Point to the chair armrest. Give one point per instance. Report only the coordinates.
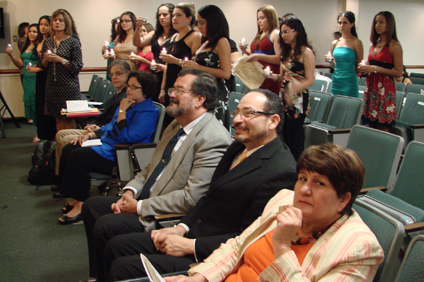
(417, 126)
(136, 146)
(169, 216)
(306, 122)
(414, 227)
(339, 131)
(365, 190)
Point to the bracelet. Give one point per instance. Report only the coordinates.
(181, 61)
(122, 111)
(13, 59)
(375, 71)
(163, 91)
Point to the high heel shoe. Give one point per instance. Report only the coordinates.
(70, 220)
(67, 208)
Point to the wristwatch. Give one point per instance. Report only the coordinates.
(122, 111)
(64, 61)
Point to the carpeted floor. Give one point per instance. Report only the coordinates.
(33, 246)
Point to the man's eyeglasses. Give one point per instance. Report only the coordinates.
(247, 113)
(133, 87)
(177, 91)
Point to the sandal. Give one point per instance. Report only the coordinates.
(67, 208)
(70, 220)
(35, 139)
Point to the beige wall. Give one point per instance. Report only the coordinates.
(93, 17)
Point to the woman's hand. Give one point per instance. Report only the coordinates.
(252, 58)
(162, 96)
(91, 127)
(9, 52)
(136, 58)
(31, 70)
(80, 139)
(139, 22)
(288, 224)
(367, 69)
(243, 48)
(126, 104)
(160, 67)
(190, 64)
(170, 59)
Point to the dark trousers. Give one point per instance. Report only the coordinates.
(122, 257)
(75, 166)
(293, 132)
(101, 225)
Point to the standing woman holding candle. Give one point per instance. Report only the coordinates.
(158, 39)
(384, 64)
(46, 123)
(348, 53)
(265, 47)
(62, 59)
(109, 45)
(214, 55)
(145, 57)
(27, 59)
(297, 74)
(124, 46)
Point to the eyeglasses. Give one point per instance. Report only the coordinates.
(118, 73)
(133, 87)
(178, 91)
(286, 31)
(126, 21)
(247, 113)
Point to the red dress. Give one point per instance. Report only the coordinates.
(149, 57)
(267, 47)
(380, 90)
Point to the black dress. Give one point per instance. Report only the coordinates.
(211, 60)
(62, 82)
(156, 49)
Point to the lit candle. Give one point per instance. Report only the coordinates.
(163, 52)
(111, 53)
(363, 63)
(329, 56)
(106, 43)
(153, 66)
(29, 64)
(10, 46)
(185, 59)
(132, 54)
(106, 53)
(48, 51)
(243, 41)
(267, 71)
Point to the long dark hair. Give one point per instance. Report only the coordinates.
(28, 42)
(301, 40)
(391, 28)
(351, 18)
(217, 25)
(159, 28)
(113, 32)
(122, 33)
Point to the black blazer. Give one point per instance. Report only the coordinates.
(237, 197)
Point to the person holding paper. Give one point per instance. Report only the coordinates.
(134, 122)
(311, 234)
(119, 71)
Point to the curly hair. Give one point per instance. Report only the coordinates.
(147, 81)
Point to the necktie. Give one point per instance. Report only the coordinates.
(166, 157)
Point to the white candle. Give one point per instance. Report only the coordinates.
(163, 52)
(329, 56)
(243, 41)
(112, 53)
(363, 63)
(185, 59)
(106, 53)
(10, 46)
(132, 54)
(106, 43)
(267, 71)
(48, 51)
(153, 65)
(29, 64)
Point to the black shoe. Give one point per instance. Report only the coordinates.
(55, 188)
(70, 220)
(67, 208)
(58, 195)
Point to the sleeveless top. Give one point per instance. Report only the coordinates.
(345, 80)
(148, 56)
(157, 48)
(180, 50)
(267, 47)
(123, 51)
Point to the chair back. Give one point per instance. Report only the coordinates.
(414, 88)
(329, 75)
(417, 80)
(362, 81)
(319, 85)
(399, 102)
(109, 93)
(320, 104)
(416, 74)
(413, 110)
(159, 124)
(233, 101)
(240, 87)
(400, 86)
(95, 79)
(409, 185)
(102, 89)
(389, 233)
(380, 153)
(345, 112)
(412, 267)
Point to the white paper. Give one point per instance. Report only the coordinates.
(91, 143)
(77, 106)
(94, 103)
(152, 273)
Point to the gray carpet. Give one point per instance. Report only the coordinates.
(33, 246)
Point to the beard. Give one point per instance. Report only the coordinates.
(174, 108)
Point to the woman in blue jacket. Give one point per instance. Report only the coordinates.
(134, 122)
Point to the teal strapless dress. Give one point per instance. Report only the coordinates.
(28, 83)
(345, 80)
